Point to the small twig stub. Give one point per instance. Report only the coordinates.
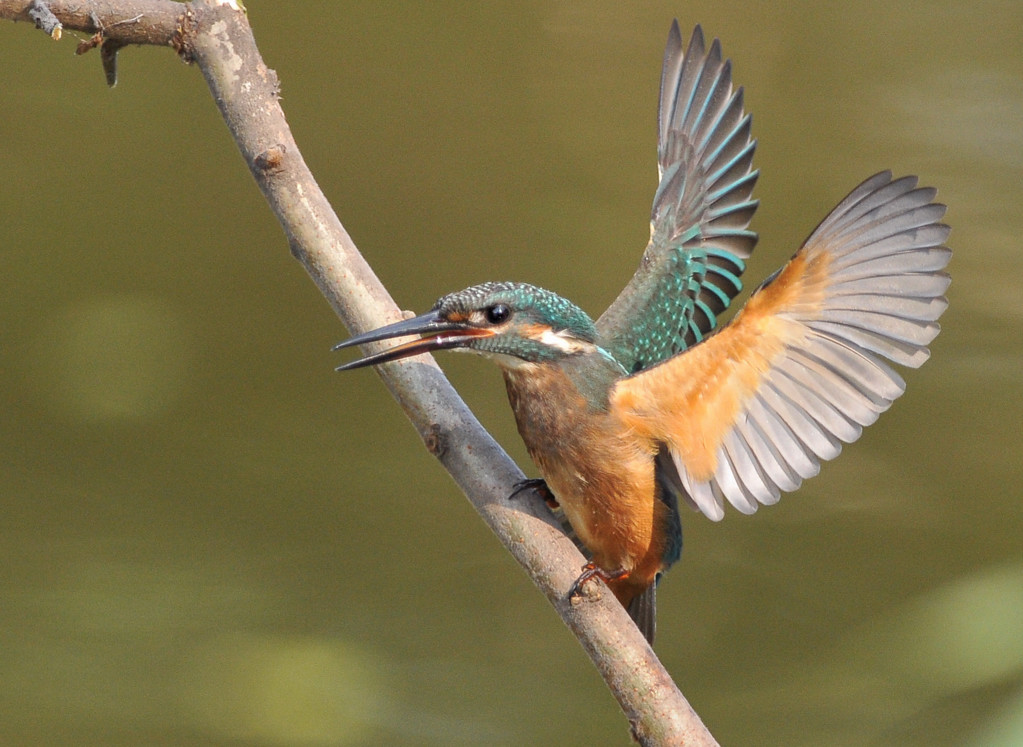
(44, 19)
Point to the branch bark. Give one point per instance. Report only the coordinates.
(215, 34)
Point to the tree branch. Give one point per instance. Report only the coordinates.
(215, 34)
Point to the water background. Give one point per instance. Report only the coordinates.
(209, 537)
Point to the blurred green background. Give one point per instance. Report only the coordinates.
(209, 537)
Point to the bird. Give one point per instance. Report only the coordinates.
(656, 404)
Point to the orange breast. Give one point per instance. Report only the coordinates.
(600, 474)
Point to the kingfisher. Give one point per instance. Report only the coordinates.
(655, 405)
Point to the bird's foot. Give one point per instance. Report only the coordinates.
(540, 486)
(591, 571)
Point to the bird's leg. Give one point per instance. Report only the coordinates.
(592, 570)
(540, 486)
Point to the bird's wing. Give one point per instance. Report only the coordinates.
(690, 270)
(753, 410)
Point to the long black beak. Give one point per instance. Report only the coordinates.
(430, 323)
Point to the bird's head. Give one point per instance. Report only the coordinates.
(513, 323)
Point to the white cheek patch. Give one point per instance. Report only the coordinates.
(562, 341)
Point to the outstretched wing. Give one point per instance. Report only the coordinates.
(698, 236)
(753, 410)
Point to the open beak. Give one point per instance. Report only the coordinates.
(443, 336)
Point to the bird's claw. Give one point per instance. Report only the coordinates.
(591, 571)
(540, 486)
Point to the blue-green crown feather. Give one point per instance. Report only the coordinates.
(537, 304)
(529, 307)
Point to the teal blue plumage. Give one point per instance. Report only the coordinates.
(699, 238)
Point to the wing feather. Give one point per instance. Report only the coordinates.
(791, 450)
(702, 207)
(813, 437)
(820, 410)
(860, 406)
(753, 410)
(730, 485)
(777, 471)
(756, 485)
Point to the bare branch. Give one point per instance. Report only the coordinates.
(217, 37)
(155, 21)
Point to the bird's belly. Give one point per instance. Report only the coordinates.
(611, 507)
(602, 477)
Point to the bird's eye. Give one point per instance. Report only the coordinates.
(498, 313)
